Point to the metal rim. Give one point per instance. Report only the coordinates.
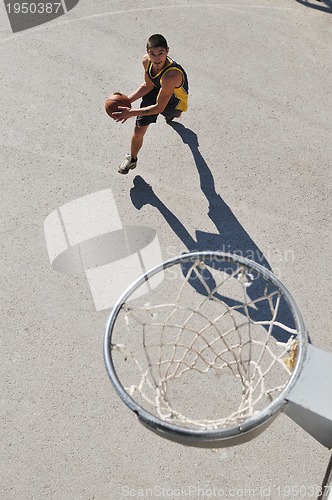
(207, 435)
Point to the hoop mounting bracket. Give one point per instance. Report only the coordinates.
(310, 400)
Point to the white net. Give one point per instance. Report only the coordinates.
(207, 353)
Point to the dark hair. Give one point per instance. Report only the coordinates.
(156, 41)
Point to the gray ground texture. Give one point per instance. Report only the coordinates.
(260, 109)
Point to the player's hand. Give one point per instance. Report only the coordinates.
(123, 115)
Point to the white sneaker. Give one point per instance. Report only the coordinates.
(127, 165)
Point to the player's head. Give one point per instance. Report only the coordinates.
(157, 50)
(156, 41)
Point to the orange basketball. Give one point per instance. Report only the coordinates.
(115, 100)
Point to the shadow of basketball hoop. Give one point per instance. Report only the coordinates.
(27, 15)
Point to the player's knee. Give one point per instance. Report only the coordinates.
(139, 131)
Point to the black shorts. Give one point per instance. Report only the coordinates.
(148, 100)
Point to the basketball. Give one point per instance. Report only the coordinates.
(115, 100)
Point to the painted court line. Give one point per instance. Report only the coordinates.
(63, 22)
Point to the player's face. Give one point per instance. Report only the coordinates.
(158, 56)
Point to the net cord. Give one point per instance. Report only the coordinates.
(256, 420)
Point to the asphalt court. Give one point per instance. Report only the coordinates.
(247, 169)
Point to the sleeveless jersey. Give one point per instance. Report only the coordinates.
(179, 99)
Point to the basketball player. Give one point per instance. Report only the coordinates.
(165, 91)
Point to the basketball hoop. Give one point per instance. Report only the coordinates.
(212, 355)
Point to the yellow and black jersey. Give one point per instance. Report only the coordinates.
(179, 100)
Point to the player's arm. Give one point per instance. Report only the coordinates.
(146, 86)
(171, 80)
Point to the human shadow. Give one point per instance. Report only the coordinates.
(327, 7)
(231, 237)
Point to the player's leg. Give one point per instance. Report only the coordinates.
(137, 140)
(171, 111)
(141, 126)
(130, 161)
(170, 114)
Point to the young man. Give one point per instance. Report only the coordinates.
(165, 91)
